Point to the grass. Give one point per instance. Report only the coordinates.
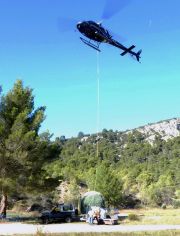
(156, 233)
(146, 216)
(153, 216)
(27, 217)
(140, 216)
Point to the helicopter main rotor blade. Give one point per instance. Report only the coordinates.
(66, 24)
(112, 7)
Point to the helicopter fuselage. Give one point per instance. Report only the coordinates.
(93, 31)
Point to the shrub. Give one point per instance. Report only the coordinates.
(176, 203)
(133, 217)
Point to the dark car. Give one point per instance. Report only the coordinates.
(61, 212)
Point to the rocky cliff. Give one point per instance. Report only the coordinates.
(166, 129)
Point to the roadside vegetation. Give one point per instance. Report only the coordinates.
(154, 216)
(128, 171)
(155, 233)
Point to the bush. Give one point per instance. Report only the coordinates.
(133, 217)
(176, 203)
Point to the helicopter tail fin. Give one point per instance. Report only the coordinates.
(138, 55)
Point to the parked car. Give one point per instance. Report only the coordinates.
(61, 212)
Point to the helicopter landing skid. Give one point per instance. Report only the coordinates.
(90, 44)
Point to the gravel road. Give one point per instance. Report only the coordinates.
(19, 228)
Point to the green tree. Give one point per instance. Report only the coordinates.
(80, 134)
(107, 183)
(21, 150)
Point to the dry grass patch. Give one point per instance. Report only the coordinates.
(153, 216)
(157, 233)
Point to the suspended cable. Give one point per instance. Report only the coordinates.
(98, 104)
(97, 112)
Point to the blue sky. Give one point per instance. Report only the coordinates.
(63, 71)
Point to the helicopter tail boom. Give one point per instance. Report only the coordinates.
(126, 50)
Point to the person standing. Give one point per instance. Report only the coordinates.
(91, 216)
(3, 206)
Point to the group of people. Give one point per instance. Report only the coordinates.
(96, 213)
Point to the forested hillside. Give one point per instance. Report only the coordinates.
(124, 166)
(128, 169)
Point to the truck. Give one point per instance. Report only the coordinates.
(60, 213)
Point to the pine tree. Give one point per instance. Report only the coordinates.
(19, 141)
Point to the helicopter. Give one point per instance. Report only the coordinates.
(95, 33)
(98, 34)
